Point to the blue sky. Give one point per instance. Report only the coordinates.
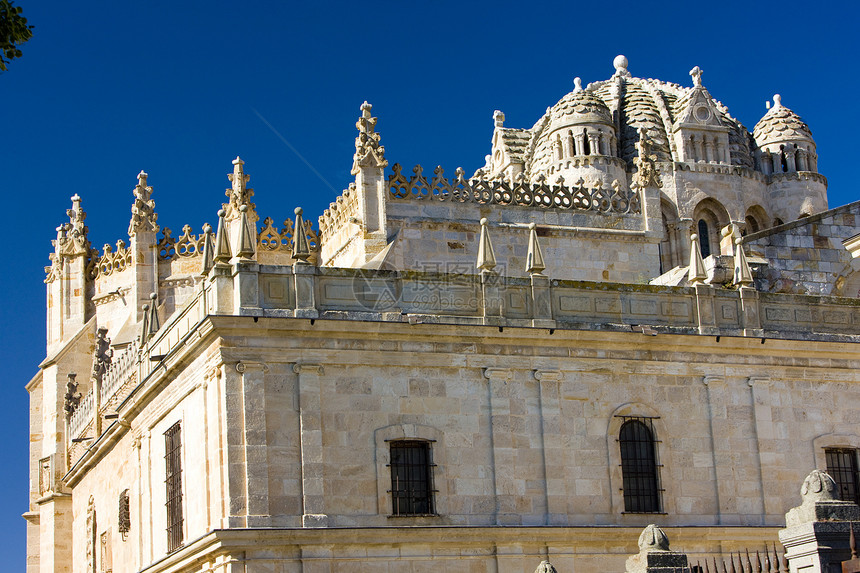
(178, 89)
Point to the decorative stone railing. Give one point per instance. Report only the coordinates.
(110, 262)
(187, 245)
(82, 415)
(121, 369)
(270, 239)
(522, 193)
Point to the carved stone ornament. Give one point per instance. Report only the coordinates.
(143, 215)
(102, 356)
(239, 194)
(646, 174)
(653, 538)
(545, 567)
(818, 486)
(368, 151)
(72, 398)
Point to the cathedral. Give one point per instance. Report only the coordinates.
(637, 311)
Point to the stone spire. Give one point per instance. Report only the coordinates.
(697, 273)
(368, 151)
(143, 215)
(301, 249)
(534, 257)
(239, 193)
(152, 321)
(486, 256)
(207, 259)
(246, 237)
(743, 273)
(222, 240)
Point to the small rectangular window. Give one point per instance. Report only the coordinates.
(411, 478)
(842, 467)
(173, 483)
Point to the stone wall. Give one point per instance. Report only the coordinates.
(808, 255)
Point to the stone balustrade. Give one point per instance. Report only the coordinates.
(82, 415)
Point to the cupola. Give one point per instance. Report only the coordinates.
(784, 141)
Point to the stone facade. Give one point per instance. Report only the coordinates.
(234, 400)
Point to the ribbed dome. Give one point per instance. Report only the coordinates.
(579, 107)
(780, 124)
(644, 106)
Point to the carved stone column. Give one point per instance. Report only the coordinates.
(246, 288)
(750, 315)
(579, 138)
(255, 429)
(504, 452)
(705, 309)
(304, 275)
(760, 392)
(733, 434)
(553, 445)
(491, 299)
(310, 415)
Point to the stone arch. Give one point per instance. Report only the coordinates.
(670, 245)
(714, 216)
(831, 441)
(756, 220)
(618, 417)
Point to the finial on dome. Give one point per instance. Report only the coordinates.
(498, 118)
(696, 72)
(777, 101)
(620, 62)
(577, 85)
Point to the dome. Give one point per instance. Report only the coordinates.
(780, 124)
(647, 106)
(579, 107)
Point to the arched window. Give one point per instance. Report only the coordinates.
(704, 238)
(639, 466)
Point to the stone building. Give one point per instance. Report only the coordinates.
(635, 312)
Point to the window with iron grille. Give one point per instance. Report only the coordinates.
(842, 467)
(173, 482)
(124, 515)
(639, 466)
(411, 478)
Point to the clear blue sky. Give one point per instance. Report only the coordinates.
(106, 89)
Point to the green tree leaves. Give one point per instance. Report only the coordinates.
(14, 31)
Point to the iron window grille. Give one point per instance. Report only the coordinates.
(124, 516)
(173, 483)
(842, 467)
(640, 474)
(412, 491)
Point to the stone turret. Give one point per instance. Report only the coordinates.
(142, 231)
(68, 277)
(787, 155)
